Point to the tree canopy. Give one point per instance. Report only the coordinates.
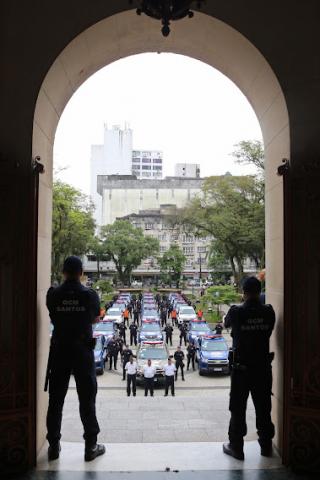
(127, 246)
(72, 224)
(231, 210)
(250, 152)
(171, 264)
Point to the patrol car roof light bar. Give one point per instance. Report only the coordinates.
(167, 11)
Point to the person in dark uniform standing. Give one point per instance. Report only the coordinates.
(135, 314)
(126, 354)
(163, 316)
(218, 329)
(179, 357)
(168, 329)
(113, 350)
(73, 309)
(183, 334)
(251, 327)
(133, 333)
(191, 354)
(122, 331)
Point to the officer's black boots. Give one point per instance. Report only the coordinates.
(233, 451)
(54, 451)
(93, 451)
(266, 450)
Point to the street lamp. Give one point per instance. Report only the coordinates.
(166, 11)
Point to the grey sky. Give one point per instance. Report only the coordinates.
(179, 105)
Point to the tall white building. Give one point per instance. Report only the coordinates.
(116, 157)
(190, 170)
(147, 164)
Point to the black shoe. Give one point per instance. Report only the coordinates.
(173, 395)
(94, 451)
(266, 451)
(232, 451)
(54, 451)
(134, 394)
(183, 380)
(165, 395)
(123, 379)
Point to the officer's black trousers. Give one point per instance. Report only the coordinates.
(148, 386)
(191, 359)
(131, 379)
(169, 382)
(78, 360)
(124, 370)
(113, 357)
(133, 338)
(183, 337)
(258, 382)
(181, 366)
(169, 339)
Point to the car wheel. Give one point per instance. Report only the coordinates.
(200, 373)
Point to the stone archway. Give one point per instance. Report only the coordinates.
(206, 39)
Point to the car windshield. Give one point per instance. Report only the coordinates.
(202, 327)
(114, 311)
(155, 353)
(104, 327)
(149, 313)
(213, 346)
(187, 310)
(150, 327)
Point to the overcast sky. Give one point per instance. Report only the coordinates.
(173, 103)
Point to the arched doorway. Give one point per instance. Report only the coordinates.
(216, 44)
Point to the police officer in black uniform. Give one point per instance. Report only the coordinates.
(113, 350)
(135, 314)
(191, 354)
(252, 324)
(168, 329)
(126, 354)
(179, 357)
(133, 333)
(73, 309)
(218, 329)
(163, 316)
(122, 331)
(183, 333)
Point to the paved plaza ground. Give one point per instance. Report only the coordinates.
(198, 412)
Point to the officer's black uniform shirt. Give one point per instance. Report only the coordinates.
(126, 355)
(133, 328)
(179, 356)
(72, 309)
(252, 324)
(168, 330)
(191, 350)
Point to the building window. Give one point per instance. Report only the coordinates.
(162, 237)
(136, 153)
(146, 174)
(163, 249)
(157, 160)
(174, 237)
(136, 160)
(146, 154)
(187, 238)
(148, 226)
(188, 250)
(146, 167)
(202, 249)
(146, 160)
(157, 167)
(135, 167)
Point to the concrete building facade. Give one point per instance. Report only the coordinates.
(124, 195)
(191, 170)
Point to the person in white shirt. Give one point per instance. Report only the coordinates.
(169, 372)
(149, 372)
(131, 369)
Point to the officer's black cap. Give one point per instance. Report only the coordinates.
(252, 286)
(72, 265)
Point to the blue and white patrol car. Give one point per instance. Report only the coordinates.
(213, 355)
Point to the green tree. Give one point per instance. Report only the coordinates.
(172, 263)
(231, 210)
(222, 295)
(72, 225)
(250, 152)
(98, 249)
(127, 247)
